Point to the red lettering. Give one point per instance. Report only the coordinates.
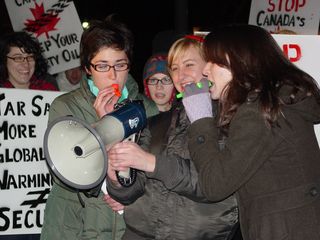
(292, 48)
(298, 4)
(272, 5)
(286, 5)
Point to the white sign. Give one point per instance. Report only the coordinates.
(57, 26)
(304, 51)
(299, 16)
(24, 178)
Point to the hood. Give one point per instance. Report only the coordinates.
(305, 105)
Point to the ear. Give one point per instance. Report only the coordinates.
(87, 71)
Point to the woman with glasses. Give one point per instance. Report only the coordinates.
(165, 202)
(157, 82)
(105, 55)
(22, 63)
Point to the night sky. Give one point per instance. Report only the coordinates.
(146, 18)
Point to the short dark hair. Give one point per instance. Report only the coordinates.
(30, 45)
(107, 33)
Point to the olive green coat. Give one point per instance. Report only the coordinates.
(65, 218)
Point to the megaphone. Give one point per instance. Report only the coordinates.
(75, 151)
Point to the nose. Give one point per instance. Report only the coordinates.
(112, 74)
(159, 85)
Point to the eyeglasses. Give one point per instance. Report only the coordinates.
(20, 59)
(155, 81)
(103, 67)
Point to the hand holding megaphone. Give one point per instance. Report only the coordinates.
(75, 150)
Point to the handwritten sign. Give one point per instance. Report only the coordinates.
(24, 178)
(55, 23)
(298, 16)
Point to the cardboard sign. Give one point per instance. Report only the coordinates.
(298, 16)
(55, 23)
(24, 178)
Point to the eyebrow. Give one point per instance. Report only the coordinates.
(117, 61)
(189, 60)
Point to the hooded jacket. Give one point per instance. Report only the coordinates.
(275, 171)
(65, 217)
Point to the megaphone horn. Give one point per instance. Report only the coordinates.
(76, 151)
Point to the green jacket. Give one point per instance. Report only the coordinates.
(64, 217)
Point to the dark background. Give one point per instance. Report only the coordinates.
(148, 18)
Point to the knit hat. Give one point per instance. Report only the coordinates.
(157, 63)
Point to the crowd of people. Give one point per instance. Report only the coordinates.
(224, 153)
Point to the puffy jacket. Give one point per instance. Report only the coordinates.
(65, 217)
(167, 204)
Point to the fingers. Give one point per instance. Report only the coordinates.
(105, 101)
(121, 155)
(113, 204)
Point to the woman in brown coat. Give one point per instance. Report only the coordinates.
(267, 111)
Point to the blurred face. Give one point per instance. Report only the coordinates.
(161, 92)
(111, 57)
(20, 70)
(187, 68)
(74, 75)
(219, 76)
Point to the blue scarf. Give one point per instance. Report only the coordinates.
(93, 88)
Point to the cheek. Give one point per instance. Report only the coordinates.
(11, 68)
(152, 90)
(177, 85)
(175, 80)
(32, 68)
(98, 80)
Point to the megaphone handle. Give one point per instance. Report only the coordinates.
(127, 178)
(127, 182)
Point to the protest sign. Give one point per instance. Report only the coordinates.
(298, 16)
(303, 50)
(24, 178)
(55, 23)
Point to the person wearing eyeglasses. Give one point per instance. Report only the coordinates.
(105, 55)
(157, 82)
(22, 66)
(22, 63)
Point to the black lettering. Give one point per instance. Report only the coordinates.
(4, 181)
(9, 108)
(26, 222)
(16, 217)
(4, 129)
(5, 219)
(36, 112)
(56, 40)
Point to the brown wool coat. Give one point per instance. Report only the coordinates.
(275, 173)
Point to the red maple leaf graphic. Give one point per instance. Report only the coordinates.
(43, 22)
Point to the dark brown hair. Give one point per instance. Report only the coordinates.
(259, 68)
(107, 33)
(29, 45)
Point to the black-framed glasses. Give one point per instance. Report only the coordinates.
(103, 67)
(20, 59)
(155, 81)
